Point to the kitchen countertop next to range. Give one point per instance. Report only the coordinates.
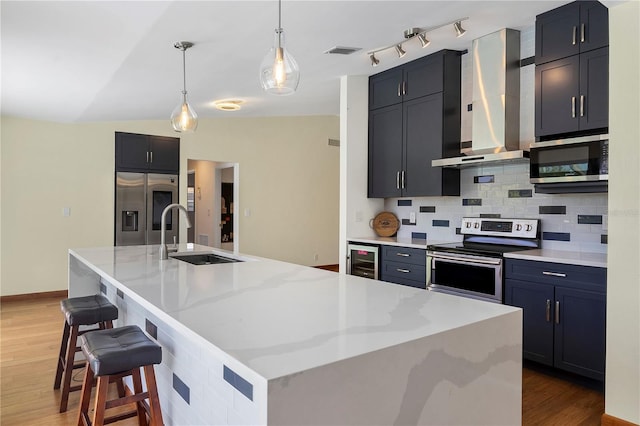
(598, 260)
(395, 241)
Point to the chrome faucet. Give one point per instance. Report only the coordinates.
(164, 250)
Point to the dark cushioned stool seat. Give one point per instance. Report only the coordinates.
(116, 350)
(88, 310)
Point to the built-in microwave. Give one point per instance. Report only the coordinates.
(584, 159)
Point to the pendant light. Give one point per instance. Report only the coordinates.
(279, 72)
(184, 119)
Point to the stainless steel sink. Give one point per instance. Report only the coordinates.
(204, 259)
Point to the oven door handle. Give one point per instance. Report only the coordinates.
(466, 259)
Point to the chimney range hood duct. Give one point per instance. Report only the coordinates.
(496, 102)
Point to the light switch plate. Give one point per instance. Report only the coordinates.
(412, 217)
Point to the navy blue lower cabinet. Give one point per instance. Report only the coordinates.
(580, 332)
(564, 314)
(403, 265)
(536, 301)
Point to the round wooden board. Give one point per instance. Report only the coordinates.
(385, 224)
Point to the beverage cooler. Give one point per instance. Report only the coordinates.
(362, 260)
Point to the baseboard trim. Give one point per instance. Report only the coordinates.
(608, 420)
(62, 294)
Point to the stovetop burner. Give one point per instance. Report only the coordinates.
(494, 237)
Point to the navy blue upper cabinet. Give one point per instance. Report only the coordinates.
(413, 80)
(414, 117)
(572, 71)
(574, 28)
(147, 153)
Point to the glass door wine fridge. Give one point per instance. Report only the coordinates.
(362, 260)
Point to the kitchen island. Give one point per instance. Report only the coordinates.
(268, 342)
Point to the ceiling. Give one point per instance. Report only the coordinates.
(87, 61)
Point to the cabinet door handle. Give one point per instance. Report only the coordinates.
(554, 274)
(399, 84)
(573, 42)
(573, 107)
(404, 87)
(151, 157)
(581, 105)
(548, 316)
(582, 33)
(557, 312)
(398, 179)
(403, 254)
(147, 156)
(403, 187)
(404, 271)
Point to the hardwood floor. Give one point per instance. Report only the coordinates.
(30, 332)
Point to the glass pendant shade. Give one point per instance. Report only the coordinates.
(184, 119)
(279, 72)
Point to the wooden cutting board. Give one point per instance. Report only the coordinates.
(385, 224)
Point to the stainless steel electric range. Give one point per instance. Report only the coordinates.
(474, 267)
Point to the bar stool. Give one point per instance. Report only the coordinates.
(79, 311)
(113, 354)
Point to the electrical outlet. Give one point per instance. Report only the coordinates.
(412, 217)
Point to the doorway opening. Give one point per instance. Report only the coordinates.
(212, 201)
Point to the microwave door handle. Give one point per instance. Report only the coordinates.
(458, 259)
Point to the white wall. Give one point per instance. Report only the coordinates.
(289, 178)
(355, 208)
(622, 387)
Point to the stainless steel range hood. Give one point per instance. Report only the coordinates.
(496, 102)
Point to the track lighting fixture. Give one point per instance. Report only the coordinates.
(423, 40)
(420, 34)
(184, 119)
(459, 30)
(279, 72)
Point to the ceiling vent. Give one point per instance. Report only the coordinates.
(341, 50)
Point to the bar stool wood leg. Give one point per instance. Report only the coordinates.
(63, 351)
(68, 368)
(154, 401)
(137, 389)
(87, 384)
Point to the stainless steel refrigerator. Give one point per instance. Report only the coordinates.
(140, 200)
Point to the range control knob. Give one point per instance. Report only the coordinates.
(476, 225)
(467, 224)
(528, 227)
(518, 227)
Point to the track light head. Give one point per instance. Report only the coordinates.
(374, 61)
(400, 51)
(459, 30)
(424, 41)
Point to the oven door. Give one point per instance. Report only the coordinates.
(473, 276)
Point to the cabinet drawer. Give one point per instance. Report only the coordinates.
(404, 270)
(411, 256)
(586, 277)
(405, 281)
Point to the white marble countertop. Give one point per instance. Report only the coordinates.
(560, 256)
(279, 318)
(395, 241)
